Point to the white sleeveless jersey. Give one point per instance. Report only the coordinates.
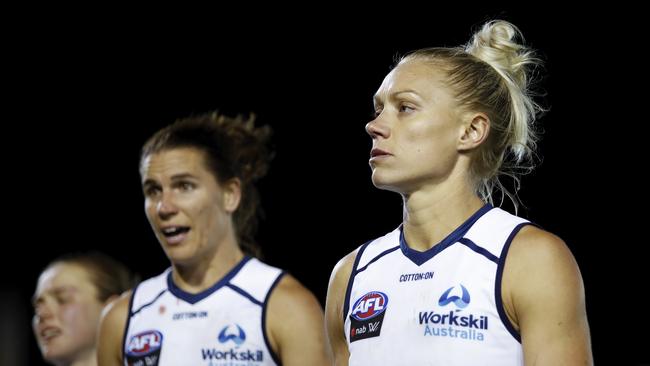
(221, 326)
(438, 307)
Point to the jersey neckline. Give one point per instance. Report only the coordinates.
(194, 298)
(419, 258)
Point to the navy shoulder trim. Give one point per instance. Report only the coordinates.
(497, 283)
(346, 304)
(265, 332)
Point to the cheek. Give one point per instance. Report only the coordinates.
(35, 325)
(209, 218)
(81, 320)
(209, 210)
(149, 209)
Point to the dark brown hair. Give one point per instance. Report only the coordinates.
(233, 148)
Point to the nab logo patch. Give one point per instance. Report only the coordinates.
(368, 315)
(460, 302)
(144, 348)
(238, 337)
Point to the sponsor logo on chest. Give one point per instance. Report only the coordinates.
(453, 317)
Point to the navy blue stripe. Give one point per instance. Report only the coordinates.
(419, 258)
(194, 298)
(149, 303)
(480, 250)
(128, 322)
(497, 283)
(346, 304)
(265, 332)
(243, 293)
(387, 251)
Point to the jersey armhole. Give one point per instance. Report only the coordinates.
(128, 321)
(499, 277)
(353, 273)
(265, 331)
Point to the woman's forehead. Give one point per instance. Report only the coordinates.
(62, 276)
(173, 161)
(412, 76)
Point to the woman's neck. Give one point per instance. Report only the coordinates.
(88, 358)
(431, 214)
(198, 276)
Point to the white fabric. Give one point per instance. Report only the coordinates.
(224, 328)
(402, 303)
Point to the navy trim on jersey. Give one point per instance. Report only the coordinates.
(149, 303)
(480, 250)
(194, 298)
(387, 251)
(128, 322)
(243, 293)
(419, 258)
(274, 356)
(497, 283)
(353, 273)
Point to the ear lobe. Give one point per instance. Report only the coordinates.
(475, 132)
(232, 195)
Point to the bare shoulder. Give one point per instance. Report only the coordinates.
(291, 293)
(536, 254)
(295, 324)
(111, 330)
(338, 284)
(342, 270)
(539, 240)
(117, 310)
(120, 304)
(544, 296)
(334, 308)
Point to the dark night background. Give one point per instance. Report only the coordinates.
(85, 95)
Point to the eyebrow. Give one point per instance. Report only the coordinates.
(183, 176)
(174, 177)
(397, 93)
(55, 291)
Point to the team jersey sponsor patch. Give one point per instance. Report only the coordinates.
(368, 315)
(144, 348)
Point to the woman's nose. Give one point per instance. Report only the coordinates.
(166, 206)
(378, 127)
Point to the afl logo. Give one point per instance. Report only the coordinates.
(144, 343)
(370, 305)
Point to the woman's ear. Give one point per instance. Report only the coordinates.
(231, 194)
(474, 132)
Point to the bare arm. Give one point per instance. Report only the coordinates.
(334, 309)
(295, 325)
(111, 332)
(544, 296)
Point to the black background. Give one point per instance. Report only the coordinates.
(85, 94)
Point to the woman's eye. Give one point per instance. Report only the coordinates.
(151, 191)
(186, 186)
(63, 299)
(406, 109)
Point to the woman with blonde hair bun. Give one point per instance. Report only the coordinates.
(459, 281)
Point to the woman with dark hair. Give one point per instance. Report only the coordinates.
(217, 304)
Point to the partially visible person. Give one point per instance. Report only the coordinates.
(459, 282)
(216, 304)
(70, 295)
